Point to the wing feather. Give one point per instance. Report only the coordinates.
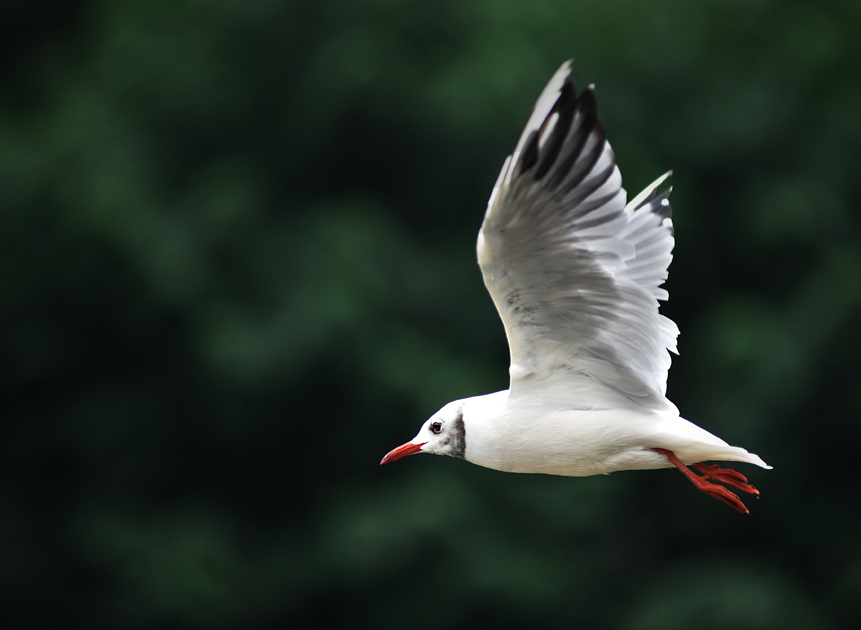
(575, 273)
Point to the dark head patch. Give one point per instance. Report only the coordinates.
(456, 438)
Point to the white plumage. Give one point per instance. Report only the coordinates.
(575, 274)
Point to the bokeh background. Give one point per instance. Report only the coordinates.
(237, 267)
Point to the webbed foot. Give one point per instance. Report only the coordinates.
(715, 473)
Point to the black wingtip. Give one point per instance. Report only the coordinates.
(660, 197)
(664, 211)
(657, 195)
(564, 108)
(587, 104)
(662, 206)
(530, 154)
(590, 125)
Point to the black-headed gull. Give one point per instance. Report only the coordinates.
(575, 274)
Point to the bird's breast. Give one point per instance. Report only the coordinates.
(574, 443)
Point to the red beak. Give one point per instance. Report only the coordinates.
(402, 451)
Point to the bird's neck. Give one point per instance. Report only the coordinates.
(485, 420)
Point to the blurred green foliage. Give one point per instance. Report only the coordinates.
(236, 244)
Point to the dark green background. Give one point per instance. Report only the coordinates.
(237, 266)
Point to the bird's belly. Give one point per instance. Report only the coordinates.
(571, 443)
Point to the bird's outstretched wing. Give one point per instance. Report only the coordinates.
(575, 273)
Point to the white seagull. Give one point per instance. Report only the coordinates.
(575, 274)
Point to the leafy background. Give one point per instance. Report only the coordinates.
(237, 267)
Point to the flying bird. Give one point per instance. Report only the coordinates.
(576, 276)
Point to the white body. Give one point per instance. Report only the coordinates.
(525, 436)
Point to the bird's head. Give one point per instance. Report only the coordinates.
(442, 434)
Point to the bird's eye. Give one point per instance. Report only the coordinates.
(436, 427)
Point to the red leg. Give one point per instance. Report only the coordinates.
(729, 477)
